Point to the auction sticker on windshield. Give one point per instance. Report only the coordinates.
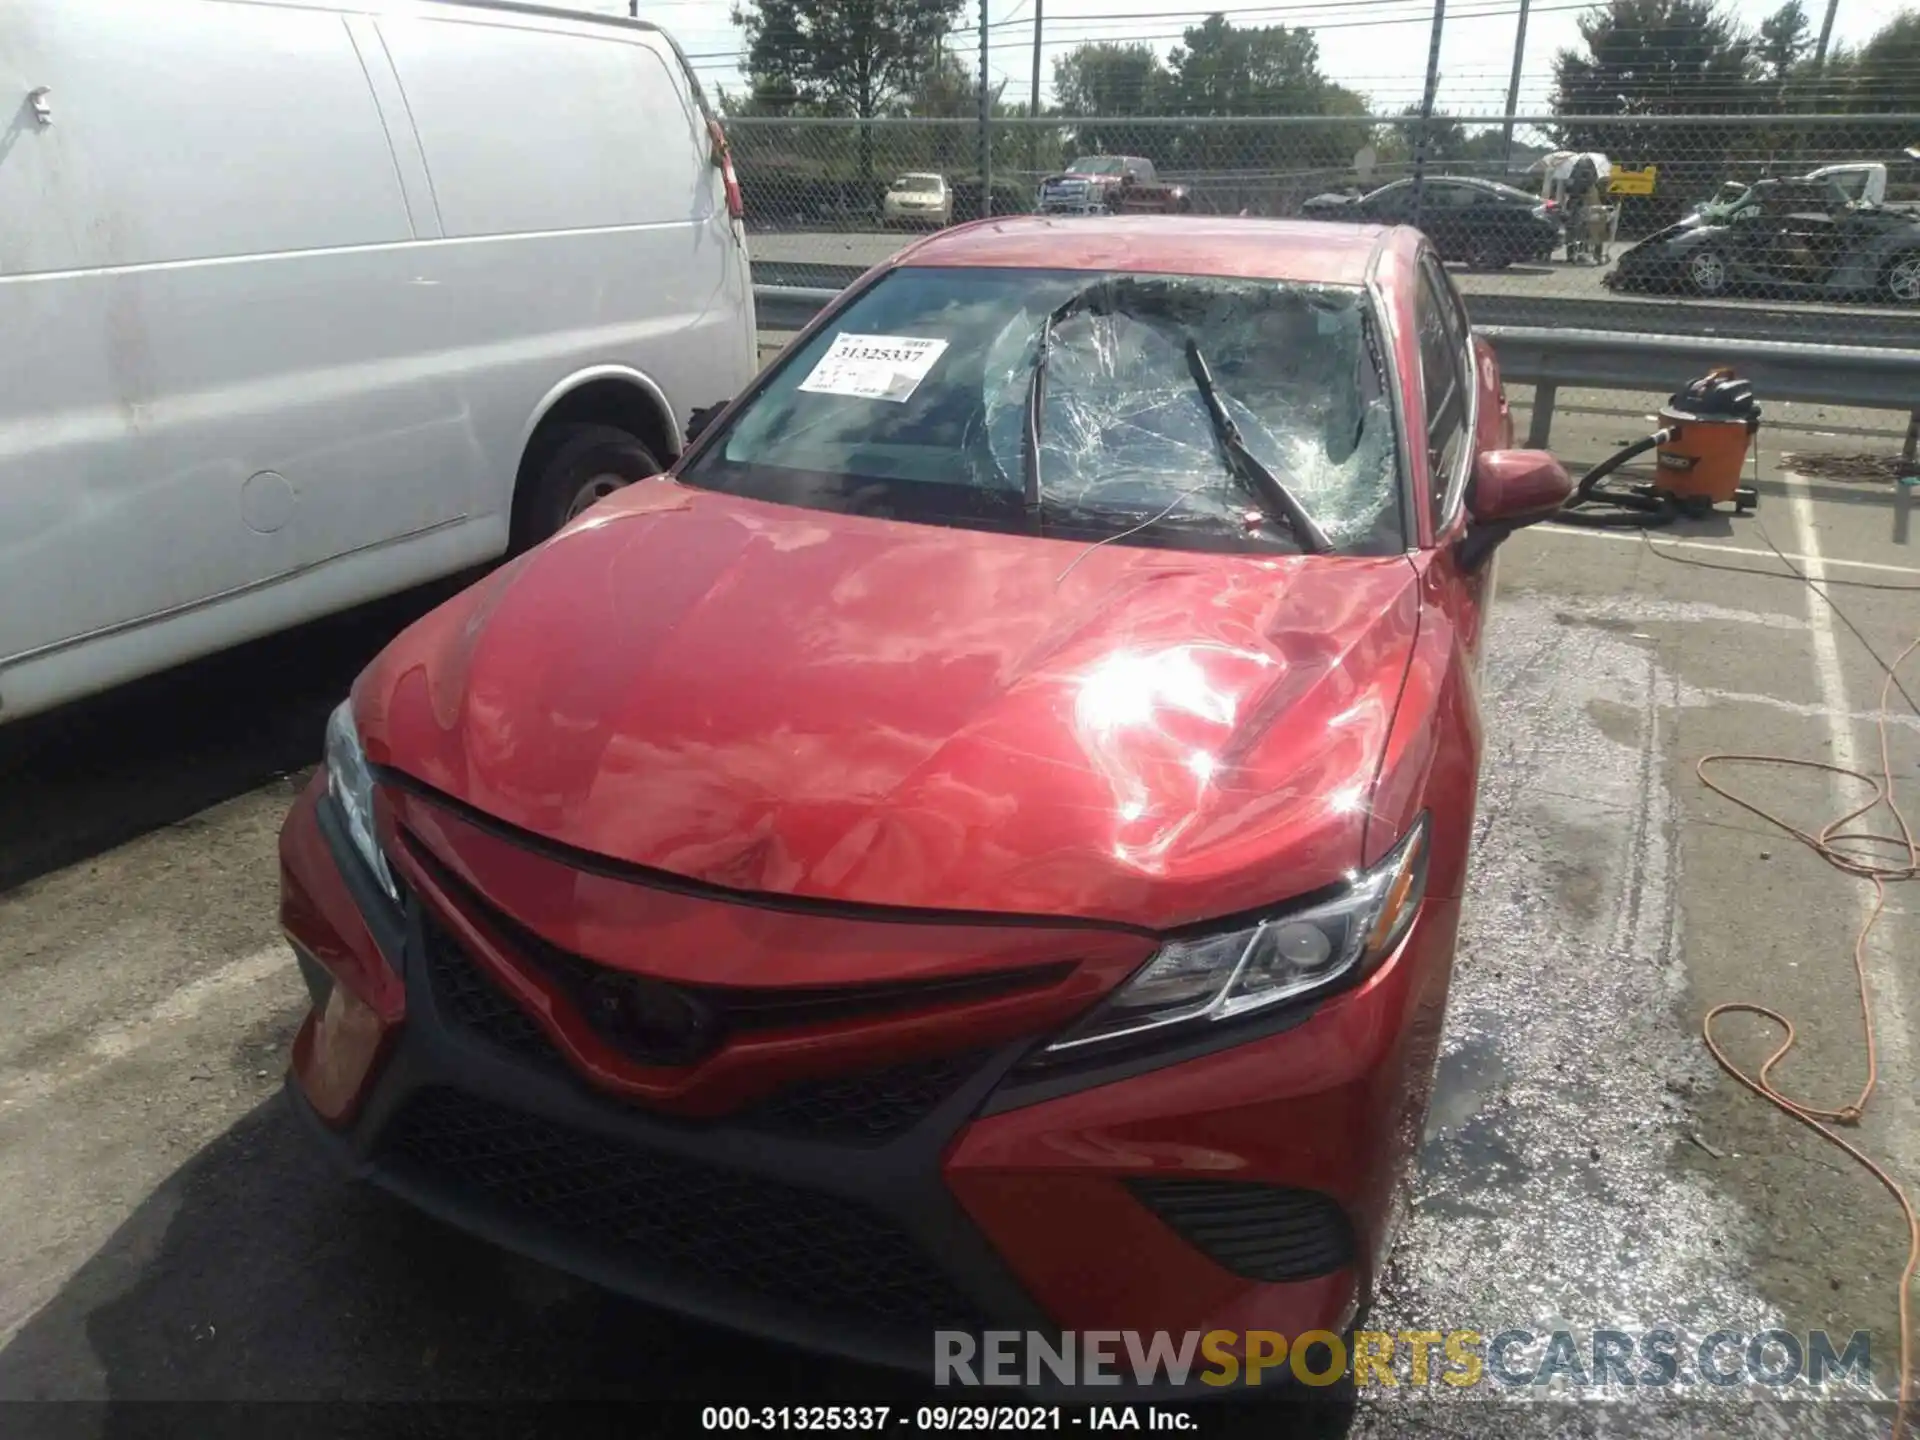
(873, 367)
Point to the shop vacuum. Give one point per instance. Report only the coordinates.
(1706, 429)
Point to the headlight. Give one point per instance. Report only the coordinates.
(1192, 983)
(350, 783)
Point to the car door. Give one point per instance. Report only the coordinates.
(1389, 205)
(1446, 210)
(1496, 224)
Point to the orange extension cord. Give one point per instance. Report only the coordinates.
(1871, 856)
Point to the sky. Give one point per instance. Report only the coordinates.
(1378, 47)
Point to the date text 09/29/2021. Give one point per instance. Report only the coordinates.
(941, 1418)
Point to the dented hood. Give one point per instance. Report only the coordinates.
(801, 703)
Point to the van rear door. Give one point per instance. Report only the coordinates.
(586, 224)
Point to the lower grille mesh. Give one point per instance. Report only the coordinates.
(670, 1214)
(471, 1001)
(1264, 1232)
(865, 1108)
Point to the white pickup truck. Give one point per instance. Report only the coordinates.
(1865, 182)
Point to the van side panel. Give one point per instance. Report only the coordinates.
(586, 224)
(213, 374)
(250, 375)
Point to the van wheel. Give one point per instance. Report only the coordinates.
(578, 466)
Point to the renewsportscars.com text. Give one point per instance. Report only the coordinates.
(1602, 1360)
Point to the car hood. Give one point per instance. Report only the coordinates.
(1681, 234)
(799, 703)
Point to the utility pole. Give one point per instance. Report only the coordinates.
(1426, 110)
(1033, 102)
(986, 122)
(1826, 34)
(1513, 93)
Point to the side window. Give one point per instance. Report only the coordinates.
(1387, 205)
(1443, 380)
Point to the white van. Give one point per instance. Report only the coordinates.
(303, 302)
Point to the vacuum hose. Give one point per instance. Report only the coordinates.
(1628, 508)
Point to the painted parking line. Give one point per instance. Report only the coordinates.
(1889, 1001)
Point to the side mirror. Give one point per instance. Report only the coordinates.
(1510, 489)
(698, 422)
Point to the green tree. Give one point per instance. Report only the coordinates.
(1784, 40)
(1221, 69)
(1880, 74)
(1447, 141)
(843, 57)
(1657, 57)
(1661, 57)
(1875, 79)
(1105, 78)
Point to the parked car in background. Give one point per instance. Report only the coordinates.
(994, 815)
(1111, 185)
(1481, 222)
(308, 303)
(918, 198)
(1784, 238)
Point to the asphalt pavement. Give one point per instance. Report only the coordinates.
(168, 1235)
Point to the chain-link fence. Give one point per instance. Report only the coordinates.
(1784, 226)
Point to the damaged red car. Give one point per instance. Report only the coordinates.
(979, 842)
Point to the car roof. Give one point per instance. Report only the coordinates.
(1304, 251)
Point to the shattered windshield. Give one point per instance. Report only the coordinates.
(921, 403)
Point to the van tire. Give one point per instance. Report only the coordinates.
(569, 469)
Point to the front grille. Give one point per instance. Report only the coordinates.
(721, 1011)
(865, 1108)
(1264, 1232)
(857, 1109)
(671, 1215)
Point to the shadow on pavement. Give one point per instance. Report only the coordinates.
(101, 771)
(255, 1274)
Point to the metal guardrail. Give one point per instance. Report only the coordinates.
(1864, 377)
(789, 307)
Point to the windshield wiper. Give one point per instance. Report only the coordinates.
(1274, 497)
(1030, 439)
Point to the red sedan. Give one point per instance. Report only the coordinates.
(979, 843)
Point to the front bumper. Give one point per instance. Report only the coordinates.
(1024, 1206)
